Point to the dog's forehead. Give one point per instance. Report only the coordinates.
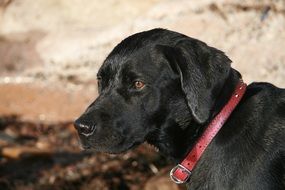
(139, 62)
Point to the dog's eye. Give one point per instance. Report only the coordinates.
(139, 85)
(99, 80)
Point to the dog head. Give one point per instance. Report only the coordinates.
(150, 81)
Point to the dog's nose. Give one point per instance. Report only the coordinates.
(84, 129)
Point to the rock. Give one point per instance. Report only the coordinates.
(3, 5)
(18, 152)
(68, 46)
(58, 42)
(18, 53)
(161, 181)
(35, 102)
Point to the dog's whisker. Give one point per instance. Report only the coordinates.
(152, 146)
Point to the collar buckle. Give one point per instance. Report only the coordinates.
(180, 174)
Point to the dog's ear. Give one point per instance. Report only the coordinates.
(203, 71)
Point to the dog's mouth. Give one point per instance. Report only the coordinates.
(110, 150)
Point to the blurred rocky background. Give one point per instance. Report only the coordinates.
(50, 51)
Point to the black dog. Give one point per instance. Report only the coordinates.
(163, 87)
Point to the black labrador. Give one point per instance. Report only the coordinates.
(163, 87)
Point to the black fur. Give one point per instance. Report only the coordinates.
(186, 85)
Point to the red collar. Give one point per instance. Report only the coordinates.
(181, 173)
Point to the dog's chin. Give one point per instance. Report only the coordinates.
(115, 149)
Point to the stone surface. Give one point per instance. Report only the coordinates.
(43, 103)
(62, 43)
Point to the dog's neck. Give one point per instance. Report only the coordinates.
(187, 132)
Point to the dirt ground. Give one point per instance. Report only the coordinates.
(41, 156)
(50, 51)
